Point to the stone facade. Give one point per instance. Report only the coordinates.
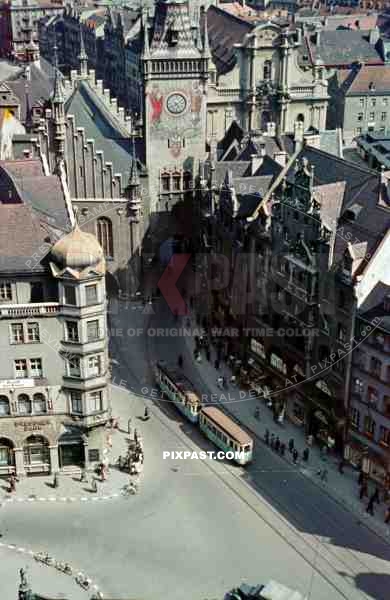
(369, 416)
(54, 397)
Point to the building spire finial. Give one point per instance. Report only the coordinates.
(83, 56)
(58, 95)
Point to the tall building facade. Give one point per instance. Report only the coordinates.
(54, 395)
(175, 72)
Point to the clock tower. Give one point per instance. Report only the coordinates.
(175, 63)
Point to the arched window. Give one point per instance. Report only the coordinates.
(6, 452)
(4, 406)
(104, 236)
(36, 450)
(165, 182)
(24, 404)
(39, 403)
(300, 118)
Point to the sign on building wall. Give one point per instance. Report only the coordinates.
(16, 383)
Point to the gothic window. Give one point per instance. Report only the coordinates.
(165, 183)
(104, 236)
(267, 70)
(176, 181)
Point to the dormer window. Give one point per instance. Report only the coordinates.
(371, 86)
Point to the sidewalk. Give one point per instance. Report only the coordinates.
(71, 489)
(343, 488)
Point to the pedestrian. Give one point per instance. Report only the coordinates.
(208, 354)
(291, 445)
(129, 426)
(305, 454)
(370, 506)
(136, 439)
(195, 353)
(363, 490)
(277, 444)
(341, 467)
(233, 379)
(375, 496)
(12, 483)
(55, 481)
(94, 485)
(83, 476)
(282, 449)
(324, 475)
(387, 515)
(266, 437)
(146, 413)
(180, 361)
(272, 443)
(216, 364)
(295, 456)
(361, 477)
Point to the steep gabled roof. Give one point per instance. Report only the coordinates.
(224, 31)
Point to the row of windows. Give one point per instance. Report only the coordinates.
(93, 366)
(175, 66)
(24, 405)
(31, 367)
(221, 435)
(91, 294)
(94, 332)
(373, 101)
(369, 427)
(371, 395)
(94, 402)
(374, 366)
(36, 293)
(24, 333)
(371, 116)
(176, 182)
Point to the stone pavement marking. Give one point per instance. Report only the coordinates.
(10, 500)
(74, 572)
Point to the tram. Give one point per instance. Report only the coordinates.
(177, 388)
(226, 434)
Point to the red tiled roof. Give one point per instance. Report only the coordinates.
(377, 77)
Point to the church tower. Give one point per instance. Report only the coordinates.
(175, 71)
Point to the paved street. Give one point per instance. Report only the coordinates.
(197, 528)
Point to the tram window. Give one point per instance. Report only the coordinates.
(231, 444)
(247, 448)
(213, 429)
(224, 439)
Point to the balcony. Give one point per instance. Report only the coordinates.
(20, 311)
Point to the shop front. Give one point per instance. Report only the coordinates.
(7, 456)
(71, 448)
(36, 455)
(362, 455)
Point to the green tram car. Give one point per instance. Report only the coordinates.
(177, 388)
(226, 434)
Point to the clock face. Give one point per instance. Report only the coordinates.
(176, 104)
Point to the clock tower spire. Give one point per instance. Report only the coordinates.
(175, 83)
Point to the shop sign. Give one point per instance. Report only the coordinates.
(16, 383)
(32, 425)
(321, 385)
(278, 363)
(257, 348)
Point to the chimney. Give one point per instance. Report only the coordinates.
(257, 160)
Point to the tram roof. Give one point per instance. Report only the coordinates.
(180, 381)
(227, 424)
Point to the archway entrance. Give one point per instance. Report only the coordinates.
(71, 448)
(36, 454)
(7, 456)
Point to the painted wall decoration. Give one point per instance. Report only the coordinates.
(156, 100)
(176, 112)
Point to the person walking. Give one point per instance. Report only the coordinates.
(295, 456)
(370, 506)
(341, 467)
(324, 475)
(272, 442)
(305, 454)
(94, 486)
(55, 481)
(277, 444)
(266, 437)
(216, 364)
(361, 477)
(282, 449)
(208, 354)
(290, 445)
(12, 483)
(375, 495)
(387, 515)
(129, 426)
(363, 490)
(180, 361)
